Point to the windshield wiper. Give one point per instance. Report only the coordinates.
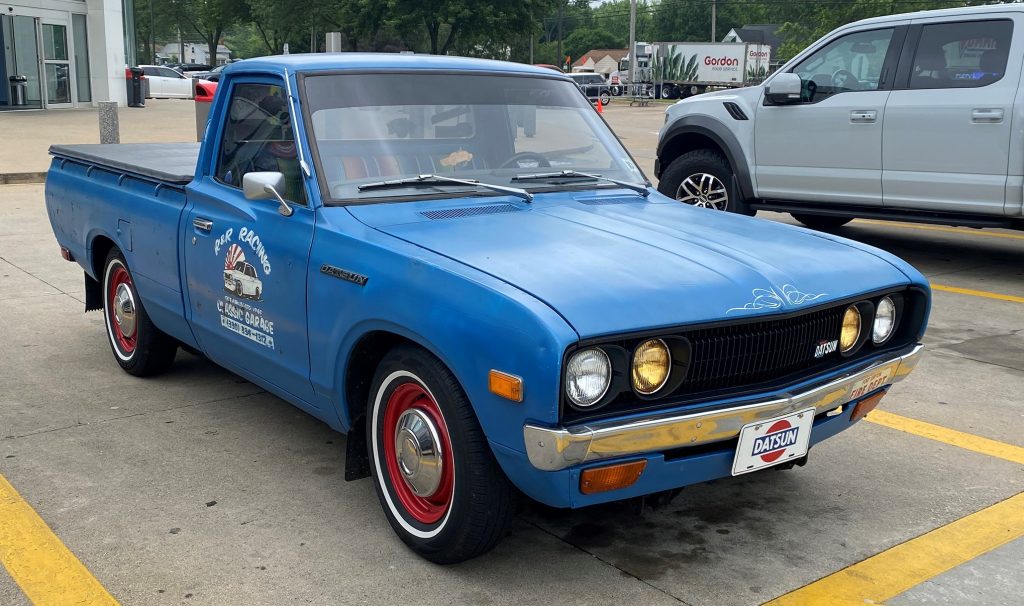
(427, 180)
(575, 174)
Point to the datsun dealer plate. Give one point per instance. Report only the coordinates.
(870, 383)
(774, 441)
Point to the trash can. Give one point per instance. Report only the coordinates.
(135, 96)
(204, 91)
(19, 88)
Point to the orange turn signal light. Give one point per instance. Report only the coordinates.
(602, 479)
(865, 406)
(505, 385)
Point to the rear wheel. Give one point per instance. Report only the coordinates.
(139, 347)
(703, 178)
(823, 222)
(440, 487)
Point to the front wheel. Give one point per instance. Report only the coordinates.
(440, 487)
(703, 178)
(822, 222)
(139, 347)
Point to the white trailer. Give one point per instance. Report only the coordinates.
(679, 69)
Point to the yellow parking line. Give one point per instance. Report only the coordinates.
(954, 230)
(967, 441)
(894, 571)
(978, 293)
(44, 568)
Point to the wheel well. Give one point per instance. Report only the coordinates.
(101, 247)
(685, 143)
(362, 365)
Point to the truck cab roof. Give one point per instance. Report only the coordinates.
(320, 62)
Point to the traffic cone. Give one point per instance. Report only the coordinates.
(600, 108)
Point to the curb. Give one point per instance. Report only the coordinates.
(22, 178)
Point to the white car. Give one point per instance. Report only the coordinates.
(242, 281)
(166, 83)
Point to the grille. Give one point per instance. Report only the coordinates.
(744, 354)
(469, 211)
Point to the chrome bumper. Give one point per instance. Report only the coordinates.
(551, 449)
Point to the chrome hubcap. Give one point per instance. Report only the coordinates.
(418, 451)
(703, 190)
(124, 310)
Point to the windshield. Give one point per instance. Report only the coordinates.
(369, 127)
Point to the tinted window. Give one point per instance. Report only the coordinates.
(258, 136)
(851, 63)
(150, 71)
(168, 73)
(961, 55)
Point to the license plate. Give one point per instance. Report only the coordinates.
(870, 383)
(774, 441)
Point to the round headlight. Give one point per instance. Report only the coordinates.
(587, 377)
(651, 364)
(850, 333)
(885, 321)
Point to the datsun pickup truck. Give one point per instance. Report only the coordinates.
(456, 263)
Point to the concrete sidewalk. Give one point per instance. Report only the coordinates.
(25, 136)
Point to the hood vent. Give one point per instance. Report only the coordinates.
(470, 211)
(605, 201)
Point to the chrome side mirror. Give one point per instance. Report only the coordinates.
(784, 88)
(266, 186)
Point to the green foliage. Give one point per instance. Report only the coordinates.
(498, 28)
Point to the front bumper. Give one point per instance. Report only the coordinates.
(556, 448)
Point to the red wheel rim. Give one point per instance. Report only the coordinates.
(431, 508)
(125, 340)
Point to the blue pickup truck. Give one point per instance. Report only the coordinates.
(456, 263)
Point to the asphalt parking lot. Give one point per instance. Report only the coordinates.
(198, 487)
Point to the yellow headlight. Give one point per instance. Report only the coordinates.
(651, 363)
(851, 329)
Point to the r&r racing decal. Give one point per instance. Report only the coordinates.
(242, 281)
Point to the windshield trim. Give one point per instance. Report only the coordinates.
(307, 127)
(421, 196)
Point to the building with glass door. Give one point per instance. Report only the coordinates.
(64, 53)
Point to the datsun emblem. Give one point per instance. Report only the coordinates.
(825, 347)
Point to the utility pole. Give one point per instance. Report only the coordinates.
(533, 34)
(561, 57)
(632, 43)
(714, 11)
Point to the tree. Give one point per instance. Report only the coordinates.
(209, 18)
(585, 39)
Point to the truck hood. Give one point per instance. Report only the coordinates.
(612, 264)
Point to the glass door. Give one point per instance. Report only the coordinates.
(26, 58)
(56, 65)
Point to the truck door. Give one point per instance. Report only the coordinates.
(946, 141)
(828, 148)
(245, 264)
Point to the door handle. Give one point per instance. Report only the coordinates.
(863, 116)
(202, 224)
(987, 116)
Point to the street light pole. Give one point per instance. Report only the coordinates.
(632, 43)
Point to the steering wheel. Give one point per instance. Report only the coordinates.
(844, 79)
(516, 160)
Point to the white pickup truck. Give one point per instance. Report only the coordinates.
(916, 117)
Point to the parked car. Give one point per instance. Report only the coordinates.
(485, 313)
(593, 86)
(903, 117)
(213, 75)
(166, 83)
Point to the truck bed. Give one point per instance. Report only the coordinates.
(173, 163)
